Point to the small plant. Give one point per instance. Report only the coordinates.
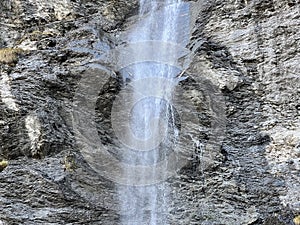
(10, 55)
(297, 220)
(70, 163)
(3, 165)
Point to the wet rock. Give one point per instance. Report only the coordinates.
(273, 221)
(247, 50)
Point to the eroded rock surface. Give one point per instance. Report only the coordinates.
(247, 49)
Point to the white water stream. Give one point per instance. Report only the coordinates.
(162, 29)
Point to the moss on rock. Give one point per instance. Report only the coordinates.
(10, 55)
(3, 165)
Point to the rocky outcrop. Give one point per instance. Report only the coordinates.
(246, 49)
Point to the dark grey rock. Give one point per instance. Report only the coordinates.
(247, 49)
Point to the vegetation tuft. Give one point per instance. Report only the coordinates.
(10, 55)
(3, 165)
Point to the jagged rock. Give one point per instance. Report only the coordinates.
(247, 50)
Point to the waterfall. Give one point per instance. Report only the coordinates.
(162, 28)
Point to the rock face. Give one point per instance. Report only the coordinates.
(246, 49)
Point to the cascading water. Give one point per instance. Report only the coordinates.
(161, 29)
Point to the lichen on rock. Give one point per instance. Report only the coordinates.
(3, 164)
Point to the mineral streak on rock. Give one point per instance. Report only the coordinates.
(5, 93)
